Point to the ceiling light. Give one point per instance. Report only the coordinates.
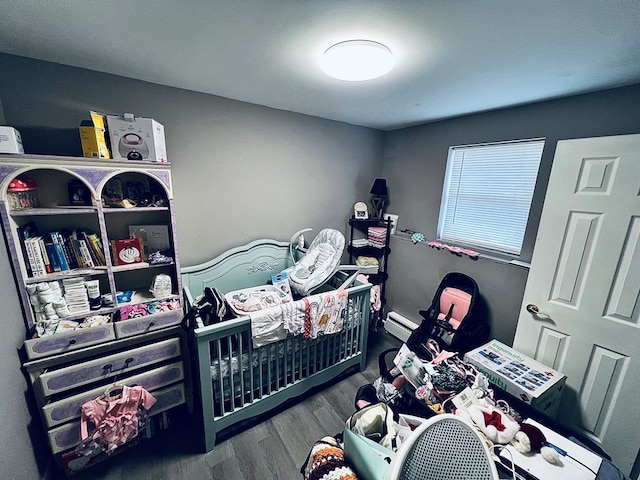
(357, 60)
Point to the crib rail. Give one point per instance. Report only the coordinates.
(239, 381)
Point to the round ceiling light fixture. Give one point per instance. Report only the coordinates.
(357, 60)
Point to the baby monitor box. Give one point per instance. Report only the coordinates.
(10, 140)
(92, 136)
(136, 138)
(523, 377)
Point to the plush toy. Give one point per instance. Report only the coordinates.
(529, 439)
(498, 427)
(501, 428)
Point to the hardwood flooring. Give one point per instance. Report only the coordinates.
(273, 446)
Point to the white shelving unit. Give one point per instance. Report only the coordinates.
(146, 348)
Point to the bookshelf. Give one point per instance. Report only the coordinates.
(367, 244)
(82, 307)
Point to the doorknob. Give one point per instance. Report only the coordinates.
(533, 309)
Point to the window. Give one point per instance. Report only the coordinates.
(487, 194)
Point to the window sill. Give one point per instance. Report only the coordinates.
(484, 256)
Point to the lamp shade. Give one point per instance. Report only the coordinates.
(379, 188)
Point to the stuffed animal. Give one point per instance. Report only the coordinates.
(529, 439)
(494, 423)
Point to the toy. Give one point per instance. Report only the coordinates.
(529, 439)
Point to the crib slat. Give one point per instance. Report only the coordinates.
(252, 384)
(220, 378)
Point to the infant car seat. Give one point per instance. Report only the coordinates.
(454, 319)
(318, 264)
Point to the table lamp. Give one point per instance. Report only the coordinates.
(379, 192)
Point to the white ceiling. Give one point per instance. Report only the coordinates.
(453, 57)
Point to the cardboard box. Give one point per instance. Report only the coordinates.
(525, 378)
(92, 136)
(127, 251)
(155, 238)
(136, 138)
(10, 140)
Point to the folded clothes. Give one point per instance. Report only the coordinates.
(367, 262)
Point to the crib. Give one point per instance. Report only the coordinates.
(238, 381)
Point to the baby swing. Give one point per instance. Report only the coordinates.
(318, 264)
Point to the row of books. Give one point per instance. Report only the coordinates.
(59, 250)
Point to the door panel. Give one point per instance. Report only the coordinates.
(585, 282)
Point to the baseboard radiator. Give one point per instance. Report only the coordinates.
(399, 326)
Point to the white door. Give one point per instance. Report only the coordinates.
(585, 282)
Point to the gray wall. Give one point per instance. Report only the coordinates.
(414, 165)
(240, 172)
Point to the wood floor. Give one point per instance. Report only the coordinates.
(272, 447)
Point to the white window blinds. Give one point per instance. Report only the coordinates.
(487, 194)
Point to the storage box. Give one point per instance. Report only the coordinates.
(136, 138)
(92, 136)
(10, 140)
(281, 281)
(127, 251)
(528, 380)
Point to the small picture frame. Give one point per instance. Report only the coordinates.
(113, 189)
(360, 211)
(135, 191)
(79, 194)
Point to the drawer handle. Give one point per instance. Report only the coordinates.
(151, 324)
(73, 341)
(108, 367)
(128, 361)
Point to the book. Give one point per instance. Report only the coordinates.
(65, 242)
(62, 260)
(36, 260)
(45, 255)
(28, 245)
(86, 254)
(52, 254)
(26, 231)
(96, 246)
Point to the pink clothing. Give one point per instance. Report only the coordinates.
(114, 420)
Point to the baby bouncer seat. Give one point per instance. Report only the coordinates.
(318, 264)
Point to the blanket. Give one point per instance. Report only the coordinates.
(313, 316)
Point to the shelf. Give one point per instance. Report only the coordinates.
(109, 210)
(77, 272)
(63, 210)
(369, 250)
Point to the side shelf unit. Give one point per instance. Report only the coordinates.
(141, 342)
(360, 245)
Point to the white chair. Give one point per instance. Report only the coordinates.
(445, 447)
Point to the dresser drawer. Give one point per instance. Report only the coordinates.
(149, 323)
(67, 436)
(167, 398)
(118, 364)
(69, 408)
(68, 341)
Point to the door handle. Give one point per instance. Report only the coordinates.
(533, 309)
